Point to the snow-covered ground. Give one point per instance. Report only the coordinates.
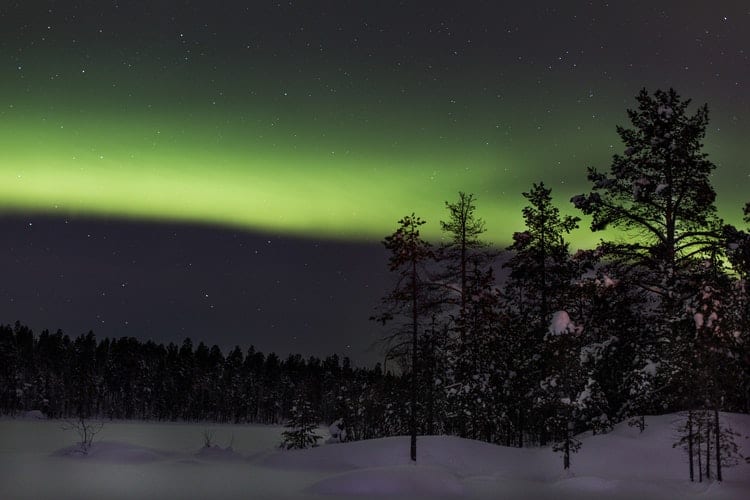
(168, 460)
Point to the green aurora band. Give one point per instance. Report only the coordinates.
(274, 154)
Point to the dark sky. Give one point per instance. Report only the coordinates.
(170, 281)
(161, 158)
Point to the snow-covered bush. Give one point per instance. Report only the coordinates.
(337, 432)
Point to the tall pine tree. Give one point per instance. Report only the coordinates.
(410, 300)
(658, 194)
(540, 278)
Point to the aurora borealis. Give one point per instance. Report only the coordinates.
(335, 121)
(330, 120)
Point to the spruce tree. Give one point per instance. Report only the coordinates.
(476, 364)
(538, 284)
(301, 426)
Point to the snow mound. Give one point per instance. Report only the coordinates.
(218, 453)
(115, 452)
(34, 415)
(589, 484)
(462, 456)
(623, 464)
(623, 461)
(410, 481)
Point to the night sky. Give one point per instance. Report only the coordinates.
(226, 170)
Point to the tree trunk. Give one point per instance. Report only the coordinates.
(717, 435)
(708, 450)
(698, 454)
(431, 381)
(413, 413)
(690, 444)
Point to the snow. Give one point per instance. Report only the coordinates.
(609, 282)
(403, 480)
(561, 324)
(665, 110)
(114, 452)
(216, 452)
(583, 397)
(34, 414)
(336, 431)
(168, 460)
(650, 368)
(698, 318)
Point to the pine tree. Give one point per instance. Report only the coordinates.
(659, 194)
(475, 363)
(540, 255)
(433, 375)
(301, 426)
(462, 246)
(712, 368)
(659, 191)
(539, 281)
(410, 300)
(738, 253)
(608, 315)
(563, 395)
(466, 262)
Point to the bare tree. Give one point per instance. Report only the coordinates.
(86, 430)
(208, 438)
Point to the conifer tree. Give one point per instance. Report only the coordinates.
(540, 255)
(462, 247)
(476, 364)
(434, 349)
(560, 385)
(539, 281)
(712, 365)
(465, 259)
(301, 426)
(410, 301)
(607, 311)
(738, 253)
(658, 193)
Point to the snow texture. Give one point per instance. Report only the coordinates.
(561, 324)
(34, 415)
(157, 460)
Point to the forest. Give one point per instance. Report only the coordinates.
(655, 319)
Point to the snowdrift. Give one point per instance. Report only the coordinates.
(623, 463)
(158, 460)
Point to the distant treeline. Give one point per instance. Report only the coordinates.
(131, 379)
